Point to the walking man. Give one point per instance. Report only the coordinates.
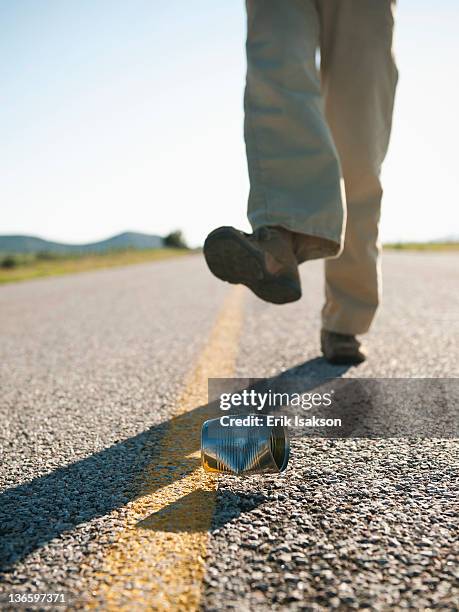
(315, 139)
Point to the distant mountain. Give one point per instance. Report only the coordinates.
(32, 244)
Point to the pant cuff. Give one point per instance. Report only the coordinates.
(308, 242)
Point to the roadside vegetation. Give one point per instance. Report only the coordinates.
(423, 246)
(24, 266)
(20, 267)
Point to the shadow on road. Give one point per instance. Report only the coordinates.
(185, 514)
(34, 513)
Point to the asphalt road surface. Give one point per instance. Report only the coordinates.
(103, 390)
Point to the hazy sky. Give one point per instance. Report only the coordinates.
(128, 116)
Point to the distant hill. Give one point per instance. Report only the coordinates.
(32, 244)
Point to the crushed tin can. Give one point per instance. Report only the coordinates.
(244, 449)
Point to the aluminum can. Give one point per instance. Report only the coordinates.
(250, 447)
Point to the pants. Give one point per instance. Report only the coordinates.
(316, 139)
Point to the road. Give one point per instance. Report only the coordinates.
(104, 388)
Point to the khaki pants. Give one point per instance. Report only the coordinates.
(316, 139)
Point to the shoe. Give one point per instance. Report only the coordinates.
(263, 261)
(341, 349)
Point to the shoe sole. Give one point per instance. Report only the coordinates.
(345, 360)
(230, 258)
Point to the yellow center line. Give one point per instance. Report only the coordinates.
(158, 559)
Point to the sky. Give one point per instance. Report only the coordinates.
(128, 116)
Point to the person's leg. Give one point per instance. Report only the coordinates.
(358, 78)
(296, 201)
(295, 177)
